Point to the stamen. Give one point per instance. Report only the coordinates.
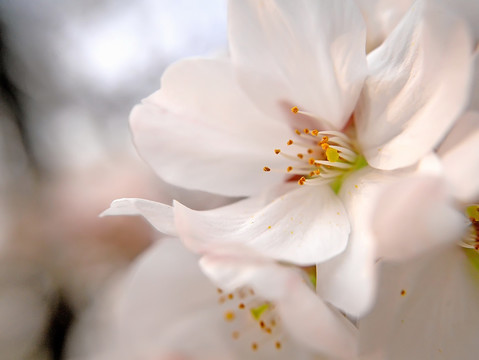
(325, 161)
(229, 316)
(295, 110)
(333, 164)
(471, 239)
(343, 150)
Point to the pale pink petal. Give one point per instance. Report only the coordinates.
(381, 17)
(159, 215)
(415, 215)
(305, 53)
(474, 102)
(460, 157)
(427, 309)
(468, 10)
(200, 132)
(418, 86)
(348, 281)
(168, 307)
(304, 315)
(300, 224)
(165, 300)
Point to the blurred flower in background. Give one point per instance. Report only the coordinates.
(70, 73)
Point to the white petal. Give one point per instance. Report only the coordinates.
(468, 10)
(348, 281)
(305, 53)
(460, 157)
(200, 132)
(300, 224)
(427, 309)
(159, 215)
(168, 303)
(418, 86)
(164, 291)
(413, 216)
(381, 17)
(474, 103)
(306, 317)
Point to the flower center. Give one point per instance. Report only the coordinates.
(320, 157)
(251, 319)
(471, 239)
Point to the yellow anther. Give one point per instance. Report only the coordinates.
(229, 316)
(325, 146)
(311, 161)
(290, 142)
(314, 132)
(297, 132)
(310, 151)
(266, 169)
(277, 151)
(289, 169)
(306, 131)
(300, 155)
(294, 109)
(302, 180)
(324, 139)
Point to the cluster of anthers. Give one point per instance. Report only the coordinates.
(319, 156)
(252, 319)
(471, 239)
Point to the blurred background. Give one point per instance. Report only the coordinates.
(70, 72)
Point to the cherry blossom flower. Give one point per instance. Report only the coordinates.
(349, 124)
